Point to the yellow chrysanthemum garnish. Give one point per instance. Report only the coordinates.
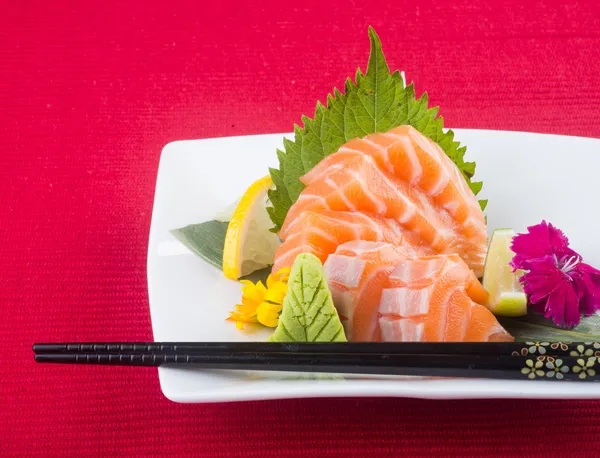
(261, 304)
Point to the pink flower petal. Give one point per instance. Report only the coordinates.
(540, 240)
(562, 306)
(588, 286)
(558, 240)
(539, 308)
(541, 279)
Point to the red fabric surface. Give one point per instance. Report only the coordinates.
(90, 92)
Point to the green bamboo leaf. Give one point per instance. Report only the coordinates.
(535, 327)
(207, 241)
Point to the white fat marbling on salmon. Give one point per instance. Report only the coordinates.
(362, 246)
(412, 210)
(344, 304)
(452, 206)
(402, 330)
(387, 330)
(379, 204)
(382, 152)
(291, 254)
(417, 270)
(417, 167)
(451, 171)
(405, 302)
(349, 205)
(345, 149)
(441, 184)
(328, 165)
(315, 200)
(315, 230)
(370, 222)
(344, 270)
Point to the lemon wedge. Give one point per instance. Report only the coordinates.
(249, 243)
(506, 294)
(225, 214)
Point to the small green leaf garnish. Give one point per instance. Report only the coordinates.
(534, 327)
(205, 239)
(375, 102)
(308, 313)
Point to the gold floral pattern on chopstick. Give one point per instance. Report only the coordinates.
(551, 367)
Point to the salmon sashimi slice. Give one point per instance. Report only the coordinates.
(436, 299)
(362, 186)
(356, 274)
(421, 299)
(409, 155)
(321, 232)
(404, 154)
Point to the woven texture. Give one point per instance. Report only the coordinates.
(90, 92)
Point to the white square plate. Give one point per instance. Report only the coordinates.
(527, 177)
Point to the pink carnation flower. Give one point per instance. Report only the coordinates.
(558, 283)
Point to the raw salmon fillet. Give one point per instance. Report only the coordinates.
(356, 274)
(388, 295)
(402, 176)
(320, 232)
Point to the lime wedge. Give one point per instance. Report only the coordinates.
(506, 294)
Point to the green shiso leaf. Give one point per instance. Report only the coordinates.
(535, 327)
(308, 313)
(375, 102)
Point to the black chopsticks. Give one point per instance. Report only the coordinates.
(502, 360)
(405, 348)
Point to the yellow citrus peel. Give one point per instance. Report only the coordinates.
(249, 243)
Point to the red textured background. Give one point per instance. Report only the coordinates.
(90, 92)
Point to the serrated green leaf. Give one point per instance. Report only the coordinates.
(308, 313)
(376, 101)
(476, 186)
(469, 168)
(535, 327)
